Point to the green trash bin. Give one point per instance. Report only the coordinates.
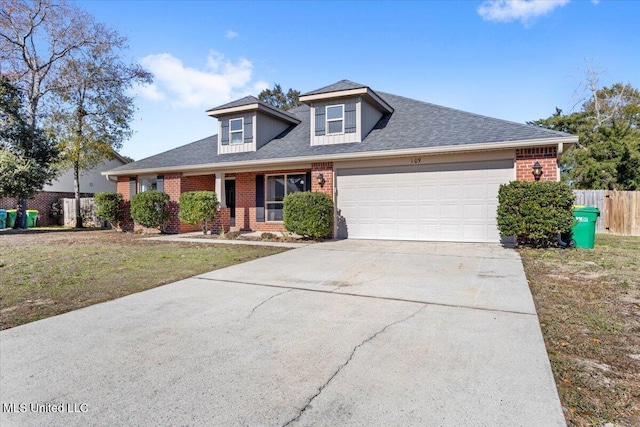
(32, 218)
(11, 217)
(584, 230)
(3, 219)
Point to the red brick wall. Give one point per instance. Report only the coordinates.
(246, 200)
(222, 221)
(42, 203)
(122, 187)
(189, 183)
(326, 169)
(175, 184)
(527, 157)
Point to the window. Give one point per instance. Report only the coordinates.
(146, 183)
(335, 119)
(236, 131)
(279, 186)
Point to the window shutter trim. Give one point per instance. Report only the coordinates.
(133, 186)
(260, 198)
(248, 129)
(160, 183)
(224, 137)
(320, 115)
(350, 117)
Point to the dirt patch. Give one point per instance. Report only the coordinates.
(588, 305)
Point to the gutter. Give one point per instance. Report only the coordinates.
(225, 166)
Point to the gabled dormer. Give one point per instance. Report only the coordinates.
(248, 123)
(343, 112)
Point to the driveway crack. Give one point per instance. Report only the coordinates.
(353, 352)
(268, 299)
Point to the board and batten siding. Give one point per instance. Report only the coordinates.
(224, 144)
(342, 138)
(268, 128)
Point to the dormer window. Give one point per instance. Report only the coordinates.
(236, 127)
(335, 119)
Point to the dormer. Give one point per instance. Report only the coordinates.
(248, 123)
(343, 112)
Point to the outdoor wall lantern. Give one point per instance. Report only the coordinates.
(537, 171)
(320, 179)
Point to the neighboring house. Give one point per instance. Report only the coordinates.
(396, 168)
(91, 182)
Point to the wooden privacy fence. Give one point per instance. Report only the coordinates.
(619, 210)
(87, 211)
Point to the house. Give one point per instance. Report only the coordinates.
(91, 182)
(396, 168)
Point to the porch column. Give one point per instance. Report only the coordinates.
(220, 190)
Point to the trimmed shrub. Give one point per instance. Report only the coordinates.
(535, 212)
(309, 214)
(150, 208)
(109, 207)
(198, 208)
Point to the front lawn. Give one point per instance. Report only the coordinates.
(588, 302)
(47, 273)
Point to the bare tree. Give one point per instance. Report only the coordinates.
(35, 36)
(93, 113)
(68, 66)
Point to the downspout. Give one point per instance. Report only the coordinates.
(560, 151)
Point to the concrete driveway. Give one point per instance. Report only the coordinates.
(340, 333)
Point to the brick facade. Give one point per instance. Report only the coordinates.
(546, 156)
(326, 169)
(174, 185)
(42, 203)
(245, 194)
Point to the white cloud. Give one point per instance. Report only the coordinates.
(219, 81)
(517, 10)
(231, 34)
(149, 91)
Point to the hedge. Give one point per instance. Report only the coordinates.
(150, 208)
(109, 207)
(198, 207)
(535, 212)
(309, 214)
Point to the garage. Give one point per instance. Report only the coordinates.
(441, 202)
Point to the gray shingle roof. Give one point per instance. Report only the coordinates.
(413, 125)
(247, 100)
(336, 87)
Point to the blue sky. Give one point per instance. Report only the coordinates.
(511, 60)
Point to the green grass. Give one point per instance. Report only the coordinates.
(588, 302)
(47, 274)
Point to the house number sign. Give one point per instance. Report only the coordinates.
(416, 160)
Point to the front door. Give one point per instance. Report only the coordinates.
(230, 197)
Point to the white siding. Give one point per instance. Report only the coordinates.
(268, 128)
(90, 181)
(236, 148)
(446, 202)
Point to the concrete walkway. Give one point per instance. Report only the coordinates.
(332, 334)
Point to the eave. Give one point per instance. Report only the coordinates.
(270, 163)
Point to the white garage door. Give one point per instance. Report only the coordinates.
(445, 202)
